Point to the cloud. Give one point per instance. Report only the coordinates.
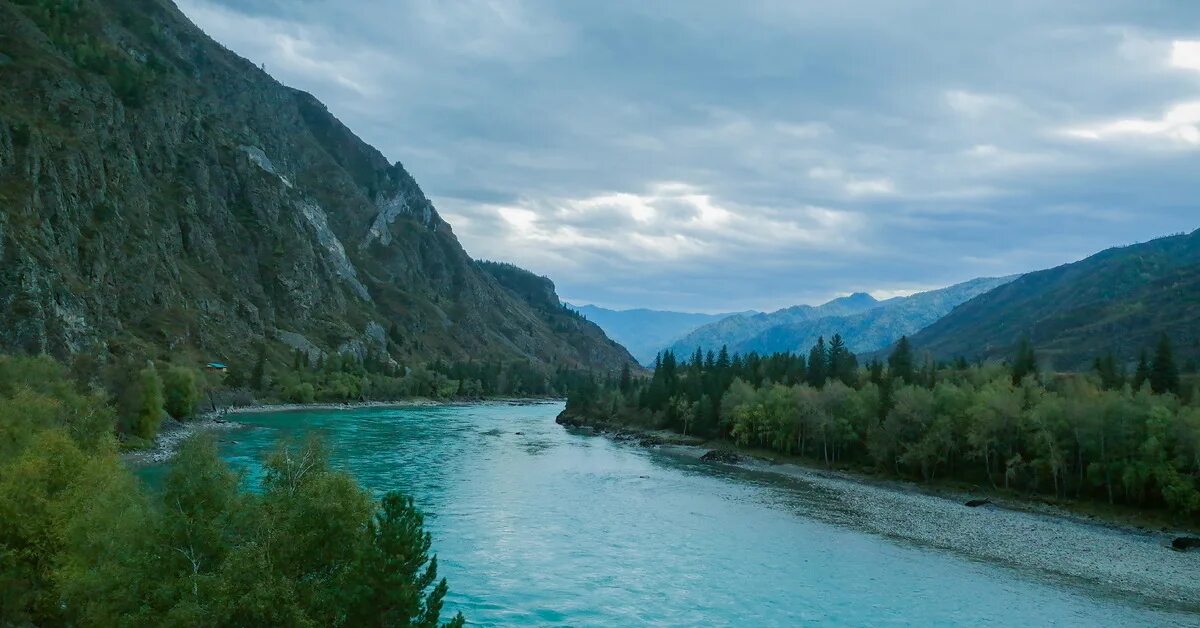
(1178, 125)
(717, 156)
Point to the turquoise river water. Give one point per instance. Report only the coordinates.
(535, 525)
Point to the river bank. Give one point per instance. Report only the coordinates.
(172, 433)
(1113, 554)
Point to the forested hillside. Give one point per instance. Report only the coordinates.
(161, 195)
(1120, 300)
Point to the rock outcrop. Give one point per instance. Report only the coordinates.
(159, 192)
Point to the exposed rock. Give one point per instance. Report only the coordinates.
(300, 343)
(1185, 543)
(721, 455)
(190, 200)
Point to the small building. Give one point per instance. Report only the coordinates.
(216, 366)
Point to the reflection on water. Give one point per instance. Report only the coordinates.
(535, 525)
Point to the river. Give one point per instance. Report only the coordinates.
(536, 525)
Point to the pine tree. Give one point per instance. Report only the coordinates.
(818, 364)
(1111, 377)
(1164, 375)
(1025, 363)
(900, 362)
(394, 582)
(626, 381)
(258, 376)
(1142, 374)
(842, 364)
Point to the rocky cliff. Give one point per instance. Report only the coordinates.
(159, 193)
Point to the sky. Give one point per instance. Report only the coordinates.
(719, 156)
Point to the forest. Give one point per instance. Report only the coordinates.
(84, 542)
(1107, 436)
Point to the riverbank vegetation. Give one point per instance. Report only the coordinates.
(83, 543)
(1109, 436)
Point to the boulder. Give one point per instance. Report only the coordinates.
(721, 455)
(1185, 543)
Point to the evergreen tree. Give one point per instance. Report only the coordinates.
(900, 362)
(1025, 362)
(843, 365)
(1111, 375)
(818, 364)
(1164, 375)
(1142, 373)
(258, 376)
(626, 381)
(393, 582)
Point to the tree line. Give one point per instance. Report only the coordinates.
(1108, 435)
(82, 542)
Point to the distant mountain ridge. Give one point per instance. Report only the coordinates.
(645, 332)
(1121, 299)
(865, 323)
(734, 330)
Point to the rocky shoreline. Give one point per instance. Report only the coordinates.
(1042, 539)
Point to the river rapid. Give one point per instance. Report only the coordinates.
(538, 525)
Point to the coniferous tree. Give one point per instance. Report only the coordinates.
(1142, 373)
(626, 381)
(1164, 375)
(1025, 363)
(818, 364)
(843, 365)
(1111, 375)
(393, 582)
(258, 376)
(900, 362)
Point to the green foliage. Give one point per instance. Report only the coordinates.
(180, 391)
(1072, 436)
(82, 543)
(1025, 363)
(1164, 375)
(150, 402)
(900, 362)
(69, 24)
(393, 581)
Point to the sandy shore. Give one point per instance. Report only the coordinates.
(1121, 560)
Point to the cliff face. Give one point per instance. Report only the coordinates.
(158, 191)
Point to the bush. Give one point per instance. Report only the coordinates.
(180, 391)
(150, 402)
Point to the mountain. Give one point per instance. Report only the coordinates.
(647, 332)
(161, 194)
(735, 330)
(872, 329)
(1121, 299)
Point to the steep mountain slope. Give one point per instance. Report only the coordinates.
(646, 332)
(1120, 299)
(161, 193)
(875, 328)
(735, 330)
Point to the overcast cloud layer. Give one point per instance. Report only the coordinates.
(733, 155)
